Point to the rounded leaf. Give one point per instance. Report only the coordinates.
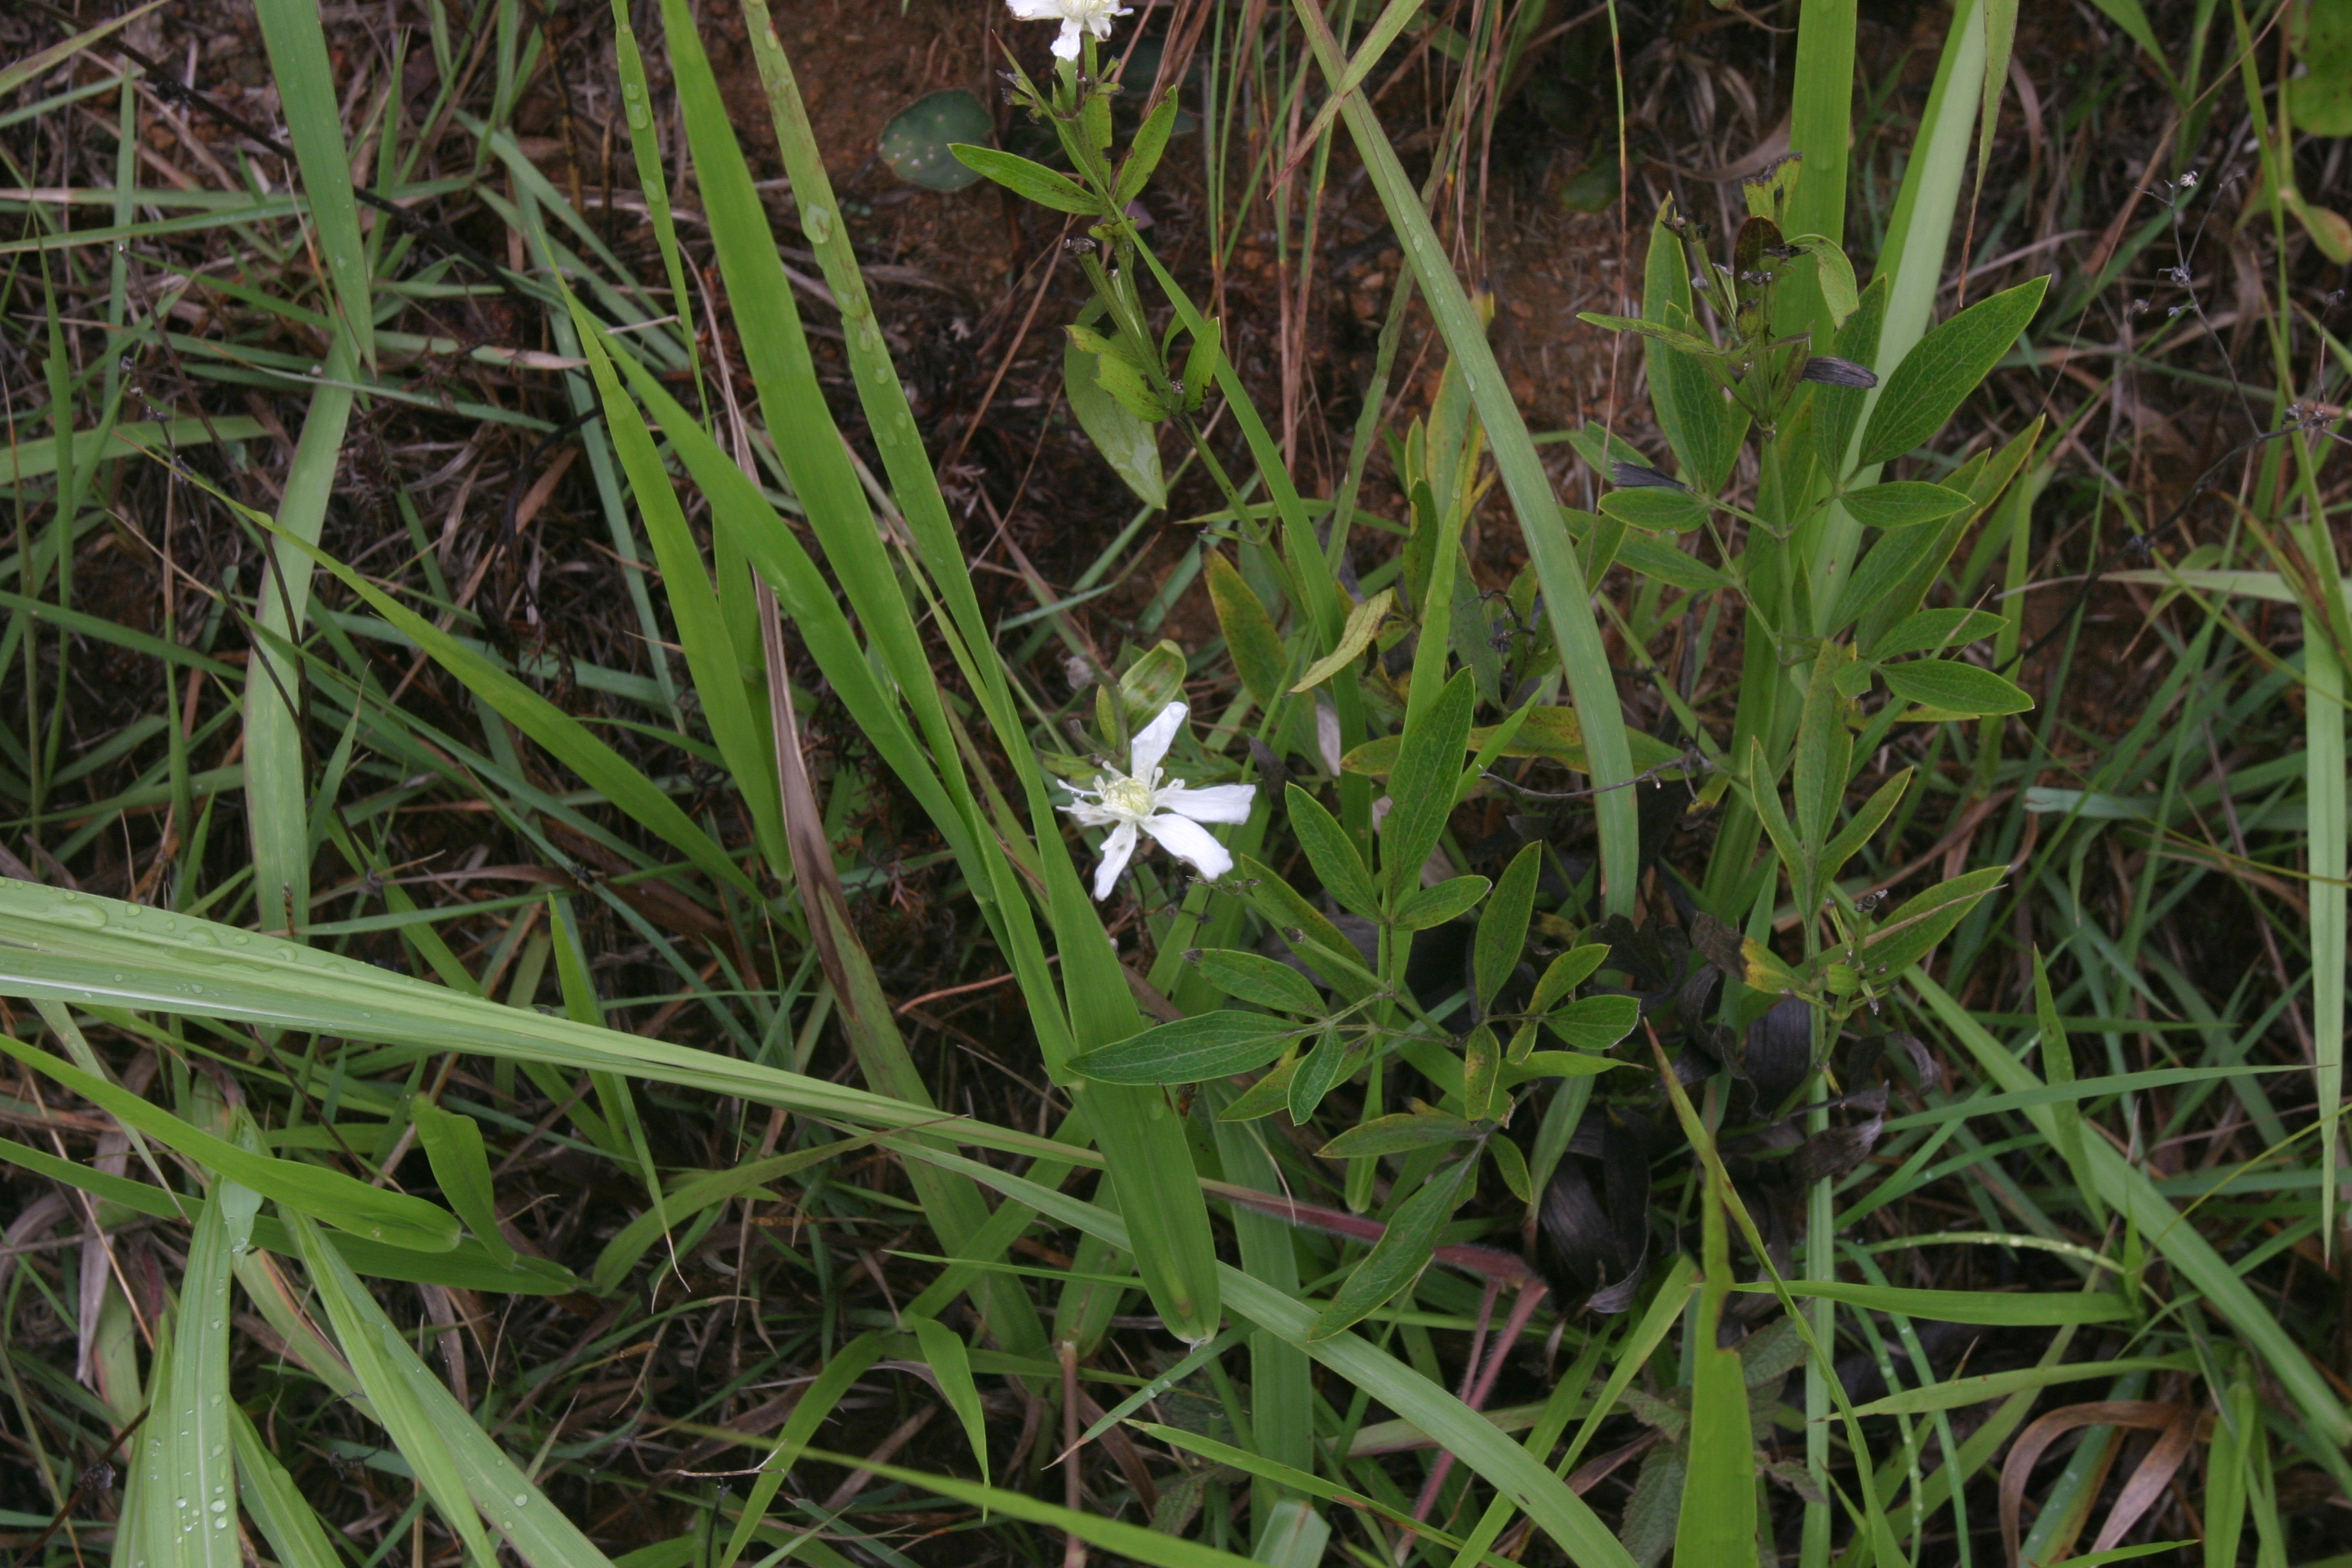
(916, 141)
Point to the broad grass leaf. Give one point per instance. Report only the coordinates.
(1954, 1394)
(1953, 690)
(1903, 503)
(1402, 1251)
(297, 1536)
(453, 1146)
(1942, 368)
(1209, 1045)
(1032, 180)
(1250, 636)
(1333, 854)
(469, 1266)
(396, 1220)
(1428, 907)
(201, 1471)
(950, 1363)
(1502, 936)
(1715, 1523)
(379, 1358)
(1254, 977)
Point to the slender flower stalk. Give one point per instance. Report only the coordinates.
(1136, 802)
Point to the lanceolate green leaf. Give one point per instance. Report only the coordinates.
(203, 1521)
(1191, 1050)
(377, 1357)
(1948, 687)
(453, 1145)
(1942, 368)
(1032, 180)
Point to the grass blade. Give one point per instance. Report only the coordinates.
(1546, 532)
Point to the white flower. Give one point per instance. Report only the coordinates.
(1076, 16)
(1171, 813)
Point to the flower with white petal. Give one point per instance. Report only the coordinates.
(1136, 802)
(1076, 16)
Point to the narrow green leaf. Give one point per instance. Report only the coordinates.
(950, 1363)
(1502, 936)
(1565, 973)
(2201, 1269)
(1254, 977)
(1332, 854)
(1903, 503)
(1421, 787)
(1363, 624)
(689, 1196)
(393, 1218)
(453, 1145)
(1397, 1135)
(565, 737)
(1427, 907)
(1402, 1251)
(1942, 368)
(1937, 631)
(1832, 273)
(1595, 1023)
(1210, 1044)
(1031, 180)
(1102, 391)
(1949, 688)
(1998, 1308)
(1249, 632)
(1655, 510)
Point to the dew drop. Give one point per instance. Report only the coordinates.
(522, 1499)
(818, 221)
(74, 913)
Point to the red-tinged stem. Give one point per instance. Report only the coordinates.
(1522, 1309)
(1486, 1262)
